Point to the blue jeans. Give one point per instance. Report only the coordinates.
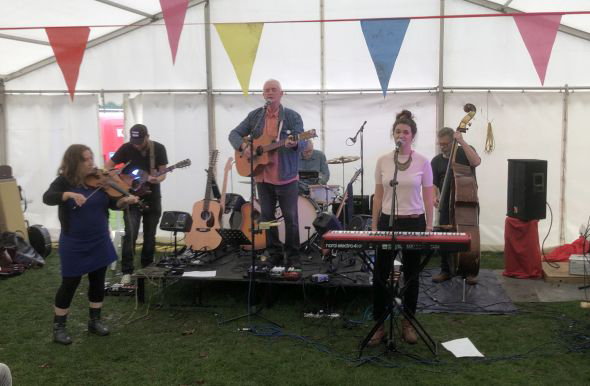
(132, 217)
(287, 196)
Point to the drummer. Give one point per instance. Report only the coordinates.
(314, 160)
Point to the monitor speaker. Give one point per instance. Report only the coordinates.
(527, 189)
(176, 222)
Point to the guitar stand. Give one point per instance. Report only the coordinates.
(311, 244)
(394, 309)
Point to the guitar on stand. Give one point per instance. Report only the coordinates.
(206, 214)
(226, 170)
(262, 146)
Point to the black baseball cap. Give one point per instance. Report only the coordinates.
(137, 134)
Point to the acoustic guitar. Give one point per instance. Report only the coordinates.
(138, 178)
(262, 146)
(246, 227)
(206, 214)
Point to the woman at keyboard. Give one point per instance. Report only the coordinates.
(412, 210)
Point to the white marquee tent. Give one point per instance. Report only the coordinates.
(329, 78)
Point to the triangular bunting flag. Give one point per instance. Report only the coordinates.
(538, 33)
(241, 44)
(68, 45)
(174, 12)
(384, 39)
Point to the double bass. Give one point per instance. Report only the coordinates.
(461, 188)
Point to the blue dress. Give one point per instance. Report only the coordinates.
(87, 245)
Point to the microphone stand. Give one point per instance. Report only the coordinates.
(396, 305)
(353, 140)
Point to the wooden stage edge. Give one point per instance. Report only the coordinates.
(559, 273)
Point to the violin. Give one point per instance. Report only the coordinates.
(110, 183)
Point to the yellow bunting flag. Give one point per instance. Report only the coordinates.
(241, 44)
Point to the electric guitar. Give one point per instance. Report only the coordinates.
(262, 146)
(206, 214)
(137, 179)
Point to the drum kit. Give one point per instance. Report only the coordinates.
(312, 201)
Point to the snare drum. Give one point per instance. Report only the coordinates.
(323, 194)
(307, 211)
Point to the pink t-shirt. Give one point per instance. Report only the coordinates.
(410, 183)
(270, 172)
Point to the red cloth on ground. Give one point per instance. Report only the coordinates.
(563, 252)
(522, 253)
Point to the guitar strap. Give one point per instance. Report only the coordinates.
(152, 157)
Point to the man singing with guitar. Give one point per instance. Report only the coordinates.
(276, 172)
(141, 155)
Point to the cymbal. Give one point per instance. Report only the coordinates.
(343, 159)
(245, 182)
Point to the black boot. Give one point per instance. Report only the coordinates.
(95, 325)
(60, 334)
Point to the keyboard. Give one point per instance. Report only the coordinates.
(361, 240)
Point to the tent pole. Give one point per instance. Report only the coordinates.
(440, 96)
(3, 136)
(210, 98)
(322, 79)
(563, 168)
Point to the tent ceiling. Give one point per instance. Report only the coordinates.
(23, 40)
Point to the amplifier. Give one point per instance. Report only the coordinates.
(11, 213)
(176, 222)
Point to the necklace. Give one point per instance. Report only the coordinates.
(405, 165)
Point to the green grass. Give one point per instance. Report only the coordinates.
(179, 345)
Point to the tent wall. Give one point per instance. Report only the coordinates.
(484, 53)
(40, 129)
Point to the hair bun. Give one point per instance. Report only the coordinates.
(404, 114)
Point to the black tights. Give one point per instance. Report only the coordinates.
(410, 268)
(66, 291)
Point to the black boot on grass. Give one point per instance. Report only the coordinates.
(95, 325)
(60, 334)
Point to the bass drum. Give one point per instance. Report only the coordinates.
(307, 211)
(40, 239)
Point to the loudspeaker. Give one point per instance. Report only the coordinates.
(361, 204)
(360, 222)
(176, 222)
(11, 213)
(527, 189)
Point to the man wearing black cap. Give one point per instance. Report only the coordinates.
(141, 155)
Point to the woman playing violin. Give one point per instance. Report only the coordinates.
(85, 246)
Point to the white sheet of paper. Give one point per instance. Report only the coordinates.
(462, 348)
(200, 274)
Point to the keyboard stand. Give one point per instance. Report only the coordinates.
(394, 309)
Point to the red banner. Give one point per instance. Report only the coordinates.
(538, 33)
(174, 12)
(68, 45)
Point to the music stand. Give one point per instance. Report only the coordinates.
(233, 237)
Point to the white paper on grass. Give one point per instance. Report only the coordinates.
(200, 274)
(462, 348)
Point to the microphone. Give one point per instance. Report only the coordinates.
(268, 103)
(398, 144)
(353, 139)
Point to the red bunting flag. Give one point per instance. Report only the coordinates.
(538, 33)
(68, 45)
(174, 12)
